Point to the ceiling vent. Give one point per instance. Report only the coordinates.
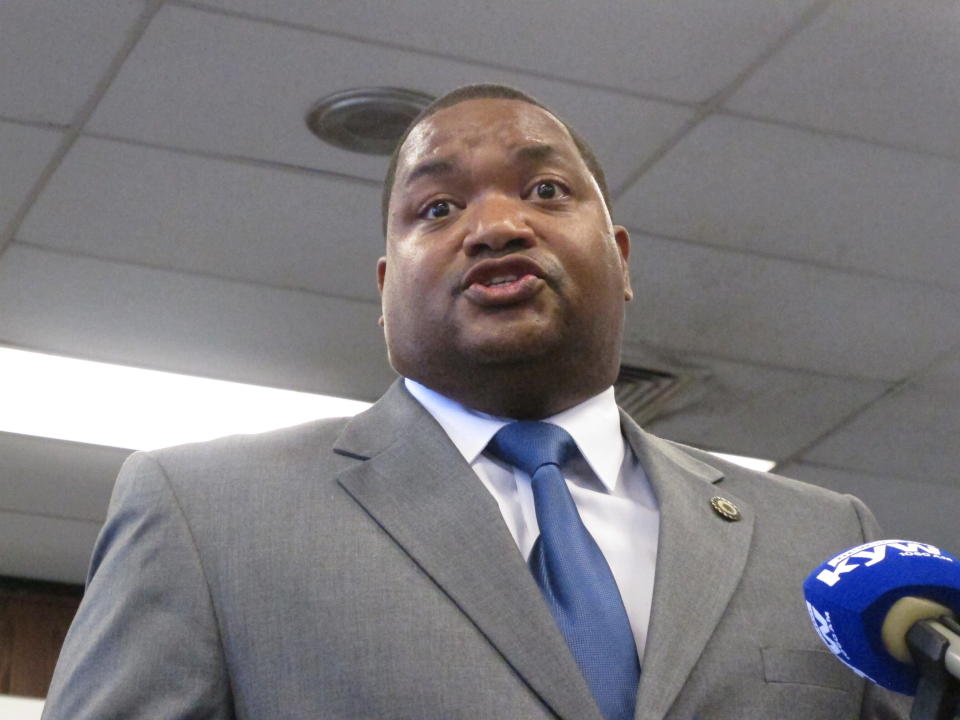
(366, 120)
(646, 394)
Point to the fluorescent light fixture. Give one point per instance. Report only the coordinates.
(103, 404)
(747, 462)
(20, 708)
(126, 407)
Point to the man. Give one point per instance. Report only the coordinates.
(380, 567)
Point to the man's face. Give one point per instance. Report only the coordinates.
(500, 248)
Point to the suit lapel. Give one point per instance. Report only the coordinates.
(420, 490)
(700, 559)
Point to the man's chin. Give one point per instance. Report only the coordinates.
(510, 350)
(515, 335)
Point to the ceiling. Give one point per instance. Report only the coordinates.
(789, 171)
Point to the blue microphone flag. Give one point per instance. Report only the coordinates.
(849, 595)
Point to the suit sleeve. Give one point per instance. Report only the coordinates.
(145, 641)
(878, 703)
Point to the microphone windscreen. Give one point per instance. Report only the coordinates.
(849, 596)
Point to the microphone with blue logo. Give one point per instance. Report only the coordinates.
(888, 609)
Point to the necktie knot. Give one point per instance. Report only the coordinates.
(530, 445)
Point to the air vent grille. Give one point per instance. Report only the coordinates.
(646, 394)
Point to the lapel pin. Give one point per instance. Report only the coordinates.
(724, 508)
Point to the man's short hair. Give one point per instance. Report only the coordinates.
(496, 92)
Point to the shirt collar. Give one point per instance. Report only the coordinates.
(594, 425)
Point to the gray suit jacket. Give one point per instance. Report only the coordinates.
(358, 569)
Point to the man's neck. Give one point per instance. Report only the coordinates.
(518, 396)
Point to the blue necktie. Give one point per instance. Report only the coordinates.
(571, 571)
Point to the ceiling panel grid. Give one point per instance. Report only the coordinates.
(54, 53)
(882, 70)
(179, 89)
(793, 213)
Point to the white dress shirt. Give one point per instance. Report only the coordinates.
(608, 485)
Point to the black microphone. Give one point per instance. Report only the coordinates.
(888, 609)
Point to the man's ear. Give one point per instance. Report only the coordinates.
(381, 276)
(622, 238)
(381, 273)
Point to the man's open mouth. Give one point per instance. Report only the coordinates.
(503, 281)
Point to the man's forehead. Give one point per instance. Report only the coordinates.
(506, 124)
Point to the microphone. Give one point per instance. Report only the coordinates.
(887, 609)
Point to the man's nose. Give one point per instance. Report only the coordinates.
(497, 224)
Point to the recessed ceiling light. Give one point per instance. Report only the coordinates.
(366, 120)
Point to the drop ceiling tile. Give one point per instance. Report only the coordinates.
(759, 310)
(54, 53)
(792, 193)
(883, 70)
(757, 411)
(247, 221)
(104, 310)
(685, 49)
(905, 509)
(911, 433)
(53, 477)
(24, 153)
(46, 548)
(180, 87)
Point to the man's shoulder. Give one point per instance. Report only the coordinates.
(313, 436)
(229, 463)
(765, 487)
(813, 521)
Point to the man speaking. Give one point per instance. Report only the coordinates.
(493, 539)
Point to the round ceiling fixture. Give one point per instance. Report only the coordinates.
(366, 120)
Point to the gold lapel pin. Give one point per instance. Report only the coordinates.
(724, 508)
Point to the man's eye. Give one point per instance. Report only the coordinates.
(547, 190)
(437, 210)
